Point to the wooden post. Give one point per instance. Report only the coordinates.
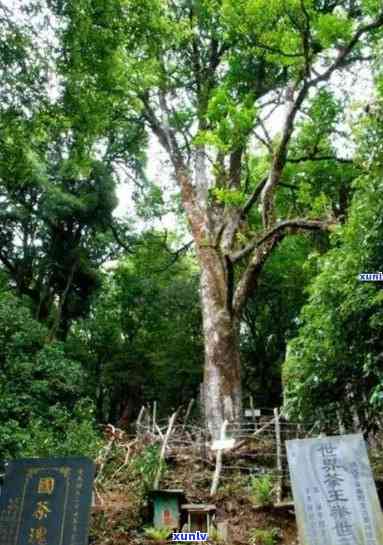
(279, 455)
(139, 418)
(218, 464)
(253, 412)
(298, 431)
(187, 414)
(341, 427)
(154, 417)
(163, 451)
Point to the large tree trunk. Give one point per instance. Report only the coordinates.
(222, 379)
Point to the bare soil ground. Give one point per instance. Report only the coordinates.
(125, 510)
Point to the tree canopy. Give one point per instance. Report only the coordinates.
(335, 361)
(247, 239)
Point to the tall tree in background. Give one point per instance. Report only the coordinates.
(204, 76)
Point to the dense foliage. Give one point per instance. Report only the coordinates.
(142, 341)
(334, 365)
(270, 180)
(42, 407)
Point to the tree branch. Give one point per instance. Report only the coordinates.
(229, 228)
(253, 197)
(195, 214)
(346, 50)
(175, 255)
(118, 239)
(250, 277)
(235, 168)
(155, 125)
(263, 247)
(306, 35)
(318, 158)
(7, 263)
(282, 227)
(280, 155)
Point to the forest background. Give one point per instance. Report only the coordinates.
(269, 182)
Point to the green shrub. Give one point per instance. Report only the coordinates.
(40, 388)
(215, 535)
(262, 490)
(234, 487)
(258, 536)
(69, 434)
(157, 534)
(146, 465)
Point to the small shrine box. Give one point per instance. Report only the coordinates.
(199, 516)
(166, 508)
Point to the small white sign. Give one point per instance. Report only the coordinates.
(222, 444)
(252, 413)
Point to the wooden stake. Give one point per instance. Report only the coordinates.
(140, 416)
(341, 427)
(154, 417)
(218, 464)
(188, 411)
(279, 455)
(253, 412)
(163, 451)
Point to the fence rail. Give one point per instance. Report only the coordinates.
(259, 444)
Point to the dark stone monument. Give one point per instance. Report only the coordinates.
(46, 502)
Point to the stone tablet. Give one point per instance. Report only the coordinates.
(46, 502)
(335, 497)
